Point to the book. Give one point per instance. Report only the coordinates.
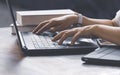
(37, 16)
(28, 28)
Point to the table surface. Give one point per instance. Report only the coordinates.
(13, 63)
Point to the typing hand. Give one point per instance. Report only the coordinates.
(75, 33)
(56, 24)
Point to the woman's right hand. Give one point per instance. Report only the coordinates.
(56, 24)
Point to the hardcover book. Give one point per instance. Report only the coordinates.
(37, 16)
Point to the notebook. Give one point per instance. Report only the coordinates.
(107, 54)
(35, 45)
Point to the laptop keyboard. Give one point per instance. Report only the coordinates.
(44, 41)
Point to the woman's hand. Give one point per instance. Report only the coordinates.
(56, 24)
(76, 33)
(105, 32)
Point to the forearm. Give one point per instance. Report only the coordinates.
(108, 33)
(91, 21)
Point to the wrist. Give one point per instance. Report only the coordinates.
(79, 18)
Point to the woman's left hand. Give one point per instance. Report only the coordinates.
(75, 33)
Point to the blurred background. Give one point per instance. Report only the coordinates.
(91, 8)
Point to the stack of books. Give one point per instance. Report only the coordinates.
(28, 20)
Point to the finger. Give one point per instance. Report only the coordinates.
(64, 36)
(45, 27)
(56, 28)
(53, 29)
(57, 37)
(39, 26)
(75, 38)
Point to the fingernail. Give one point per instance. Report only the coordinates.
(72, 43)
(53, 40)
(33, 31)
(37, 33)
(59, 43)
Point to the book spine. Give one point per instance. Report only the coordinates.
(19, 18)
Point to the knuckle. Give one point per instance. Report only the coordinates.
(66, 33)
(62, 32)
(95, 26)
(53, 20)
(44, 22)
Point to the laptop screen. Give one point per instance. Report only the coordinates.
(13, 19)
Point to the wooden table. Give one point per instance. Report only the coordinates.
(13, 63)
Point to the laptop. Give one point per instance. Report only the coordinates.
(107, 54)
(36, 45)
